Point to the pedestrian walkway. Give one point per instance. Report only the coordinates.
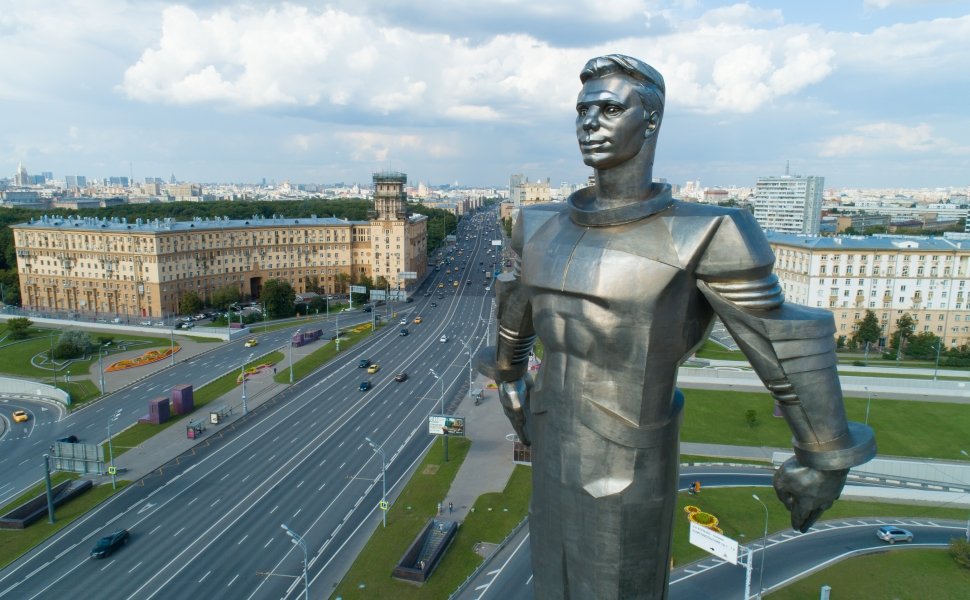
(488, 465)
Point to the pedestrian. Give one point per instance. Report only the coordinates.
(439, 508)
(451, 507)
(274, 370)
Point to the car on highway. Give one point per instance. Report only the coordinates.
(252, 342)
(893, 534)
(70, 439)
(364, 363)
(403, 322)
(20, 416)
(444, 339)
(109, 543)
(374, 368)
(402, 376)
(417, 320)
(145, 323)
(364, 386)
(403, 332)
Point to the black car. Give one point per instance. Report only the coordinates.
(434, 305)
(364, 363)
(109, 543)
(403, 332)
(364, 386)
(402, 376)
(70, 439)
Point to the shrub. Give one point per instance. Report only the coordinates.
(960, 551)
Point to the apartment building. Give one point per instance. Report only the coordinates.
(118, 268)
(929, 278)
(790, 203)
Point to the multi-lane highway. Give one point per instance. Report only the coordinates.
(210, 522)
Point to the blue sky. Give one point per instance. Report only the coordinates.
(868, 93)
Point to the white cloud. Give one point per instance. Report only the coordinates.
(882, 138)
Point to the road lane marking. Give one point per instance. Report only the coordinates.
(243, 539)
(178, 532)
(204, 576)
(132, 570)
(108, 565)
(231, 581)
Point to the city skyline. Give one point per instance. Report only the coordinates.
(863, 93)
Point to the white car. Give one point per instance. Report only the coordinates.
(444, 338)
(403, 322)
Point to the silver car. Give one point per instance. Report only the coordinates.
(892, 534)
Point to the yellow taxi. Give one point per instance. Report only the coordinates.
(417, 320)
(454, 283)
(19, 416)
(252, 342)
(441, 285)
(374, 368)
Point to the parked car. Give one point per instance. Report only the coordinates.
(364, 386)
(364, 363)
(252, 342)
(402, 376)
(109, 543)
(892, 534)
(145, 323)
(374, 368)
(20, 416)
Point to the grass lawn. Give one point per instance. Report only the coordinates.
(15, 542)
(410, 513)
(713, 351)
(903, 575)
(15, 357)
(698, 459)
(903, 428)
(81, 391)
(139, 432)
(740, 514)
(325, 353)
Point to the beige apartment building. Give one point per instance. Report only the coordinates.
(113, 267)
(929, 278)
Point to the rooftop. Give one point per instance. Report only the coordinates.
(169, 224)
(890, 243)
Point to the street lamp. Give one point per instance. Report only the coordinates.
(298, 541)
(441, 396)
(868, 402)
(111, 452)
(172, 331)
(380, 450)
(245, 362)
(291, 355)
(468, 351)
(964, 452)
(764, 546)
(101, 367)
(939, 344)
(51, 356)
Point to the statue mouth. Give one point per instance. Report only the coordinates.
(593, 144)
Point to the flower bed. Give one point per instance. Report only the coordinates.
(145, 358)
(253, 370)
(696, 515)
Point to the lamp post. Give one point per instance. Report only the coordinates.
(49, 490)
(111, 452)
(764, 549)
(964, 452)
(51, 356)
(297, 540)
(868, 402)
(936, 368)
(441, 396)
(101, 367)
(380, 450)
(468, 351)
(291, 355)
(245, 362)
(172, 332)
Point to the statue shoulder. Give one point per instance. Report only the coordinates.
(735, 247)
(530, 219)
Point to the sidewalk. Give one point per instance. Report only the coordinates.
(488, 465)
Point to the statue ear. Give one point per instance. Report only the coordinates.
(653, 121)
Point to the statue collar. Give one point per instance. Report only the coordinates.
(581, 213)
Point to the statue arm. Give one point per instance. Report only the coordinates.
(508, 361)
(792, 349)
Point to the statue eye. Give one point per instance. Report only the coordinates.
(581, 110)
(613, 111)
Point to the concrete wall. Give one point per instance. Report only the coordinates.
(25, 387)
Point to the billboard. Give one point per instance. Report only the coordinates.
(408, 274)
(719, 545)
(358, 289)
(77, 458)
(446, 425)
(496, 242)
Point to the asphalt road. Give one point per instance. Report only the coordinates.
(790, 555)
(210, 522)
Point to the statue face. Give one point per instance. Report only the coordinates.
(611, 123)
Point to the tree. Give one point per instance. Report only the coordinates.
(190, 303)
(867, 329)
(960, 551)
(381, 283)
(73, 344)
(225, 296)
(19, 328)
(279, 297)
(922, 345)
(751, 417)
(904, 328)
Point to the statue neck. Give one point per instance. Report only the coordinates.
(628, 183)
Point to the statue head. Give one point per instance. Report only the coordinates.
(618, 110)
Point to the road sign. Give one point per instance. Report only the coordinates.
(719, 545)
(358, 289)
(408, 275)
(496, 242)
(112, 470)
(384, 505)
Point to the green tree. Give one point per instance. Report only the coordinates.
(381, 283)
(19, 328)
(904, 328)
(73, 344)
(867, 329)
(922, 345)
(279, 297)
(225, 296)
(190, 303)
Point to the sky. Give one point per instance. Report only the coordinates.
(867, 93)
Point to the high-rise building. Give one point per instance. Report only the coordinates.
(20, 177)
(75, 182)
(789, 204)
